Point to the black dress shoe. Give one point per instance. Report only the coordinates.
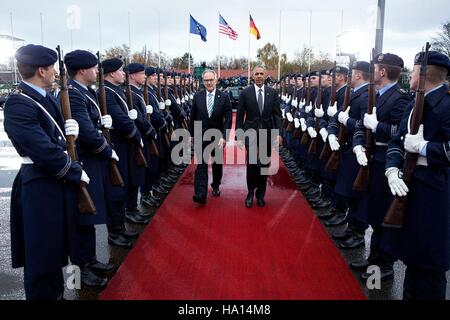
(360, 265)
(343, 236)
(119, 241)
(312, 192)
(129, 234)
(160, 190)
(216, 192)
(150, 201)
(260, 202)
(135, 218)
(199, 200)
(154, 196)
(327, 214)
(98, 266)
(90, 279)
(337, 220)
(355, 241)
(385, 275)
(249, 200)
(321, 204)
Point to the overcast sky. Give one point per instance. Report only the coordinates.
(409, 24)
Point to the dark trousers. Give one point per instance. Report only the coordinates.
(201, 176)
(117, 216)
(48, 286)
(82, 245)
(132, 197)
(423, 284)
(257, 182)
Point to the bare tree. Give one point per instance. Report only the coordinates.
(442, 42)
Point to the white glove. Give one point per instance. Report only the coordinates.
(132, 114)
(294, 103)
(303, 124)
(178, 101)
(414, 143)
(149, 109)
(343, 117)
(161, 105)
(191, 97)
(289, 117)
(186, 98)
(84, 177)
(168, 103)
(141, 143)
(319, 112)
(296, 123)
(106, 121)
(397, 185)
(71, 128)
(334, 144)
(309, 108)
(312, 132)
(283, 98)
(371, 121)
(114, 156)
(324, 133)
(182, 100)
(360, 155)
(283, 113)
(332, 110)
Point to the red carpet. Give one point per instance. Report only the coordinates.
(224, 251)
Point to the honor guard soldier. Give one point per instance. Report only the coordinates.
(95, 153)
(423, 241)
(348, 165)
(137, 80)
(125, 136)
(391, 102)
(338, 208)
(43, 197)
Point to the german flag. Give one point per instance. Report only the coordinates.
(253, 29)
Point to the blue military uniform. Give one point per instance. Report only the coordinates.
(423, 242)
(43, 196)
(124, 136)
(94, 152)
(390, 105)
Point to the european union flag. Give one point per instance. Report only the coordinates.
(197, 28)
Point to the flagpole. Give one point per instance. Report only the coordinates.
(100, 30)
(279, 50)
(42, 31)
(248, 81)
(310, 37)
(218, 58)
(129, 31)
(159, 39)
(13, 47)
(189, 45)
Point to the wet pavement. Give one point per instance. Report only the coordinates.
(11, 280)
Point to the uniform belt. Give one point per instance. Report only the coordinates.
(381, 144)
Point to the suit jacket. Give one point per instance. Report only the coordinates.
(248, 107)
(221, 116)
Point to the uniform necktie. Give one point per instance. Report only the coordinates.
(210, 104)
(260, 101)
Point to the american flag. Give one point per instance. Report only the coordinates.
(225, 29)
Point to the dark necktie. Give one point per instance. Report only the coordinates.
(260, 101)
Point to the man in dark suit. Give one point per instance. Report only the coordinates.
(211, 108)
(260, 105)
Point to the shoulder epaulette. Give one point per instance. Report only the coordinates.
(402, 91)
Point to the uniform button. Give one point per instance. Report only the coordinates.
(60, 138)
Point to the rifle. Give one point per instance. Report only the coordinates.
(298, 131)
(85, 203)
(160, 100)
(326, 150)
(153, 149)
(313, 145)
(395, 216)
(139, 155)
(290, 126)
(115, 177)
(362, 179)
(166, 97)
(283, 93)
(335, 157)
(308, 102)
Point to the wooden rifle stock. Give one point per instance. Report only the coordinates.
(139, 154)
(335, 157)
(326, 150)
(153, 149)
(291, 125)
(362, 179)
(85, 203)
(305, 136)
(313, 145)
(396, 214)
(115, 178)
